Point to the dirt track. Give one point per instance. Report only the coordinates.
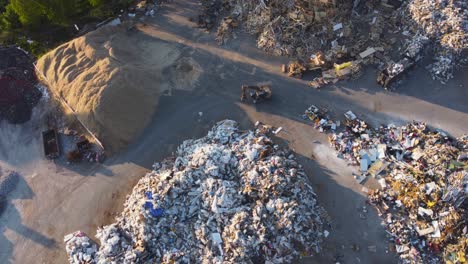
(55, 199)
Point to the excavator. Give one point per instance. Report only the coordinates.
(257, 93)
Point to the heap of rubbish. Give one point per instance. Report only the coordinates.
(446, 23)
(424, 183)
(80, 248)
(232, 196)
(18, 91)
(358, 32)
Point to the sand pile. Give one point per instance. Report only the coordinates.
(112, 78)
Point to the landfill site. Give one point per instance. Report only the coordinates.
(231, 131)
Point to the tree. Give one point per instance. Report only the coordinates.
(95, 3)
(30, 12)
(3, 5)
(59, 11)
(9, 19)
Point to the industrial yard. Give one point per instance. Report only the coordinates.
(150, 168)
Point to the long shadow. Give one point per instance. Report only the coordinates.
(419, 84)
(350, 235)
(10, 219)
(185, 115)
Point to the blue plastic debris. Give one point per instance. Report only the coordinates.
(149, 195)
(154, 212)
(157, 212)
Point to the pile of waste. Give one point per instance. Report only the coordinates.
(232, 196)
(80, 248)
(18, 91)
(444, 20)
(362, 32)
(446, 23)
(424, 179)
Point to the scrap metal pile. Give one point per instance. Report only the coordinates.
(232, 196)
(423, 199)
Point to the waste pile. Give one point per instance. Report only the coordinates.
(446, 23)
(364, 32)
(18, 91)
(80, 248)
(232, 196)
(424, 178)
(321, 119)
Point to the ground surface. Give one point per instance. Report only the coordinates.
(53, 199)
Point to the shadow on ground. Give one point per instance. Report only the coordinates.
(14, 223)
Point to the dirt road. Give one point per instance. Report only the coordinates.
(55, 199)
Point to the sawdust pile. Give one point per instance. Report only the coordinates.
(113, 77)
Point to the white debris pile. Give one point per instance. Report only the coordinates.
(230, 197)
(80, 248)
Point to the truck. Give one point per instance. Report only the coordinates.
(51, 144)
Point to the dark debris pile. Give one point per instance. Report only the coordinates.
(18, 91)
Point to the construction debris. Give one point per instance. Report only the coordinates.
(231, 196)
(320, 117)
(424, 188)
(445, 23)
(80, 248)
(370, 33)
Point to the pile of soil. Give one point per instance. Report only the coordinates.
(113, 77)
(18, 94)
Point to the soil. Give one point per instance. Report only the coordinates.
(54, 199)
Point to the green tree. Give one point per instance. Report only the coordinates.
(59, 11)
(9, 19)
(95, 3)
(30, 12)
(3, 4)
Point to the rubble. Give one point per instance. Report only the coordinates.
(232, 196)
(364, 31)
(423, 176)
(445, 23)
(320, 118)
(80, 248)
(424, 180)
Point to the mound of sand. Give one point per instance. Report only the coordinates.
(113, 77)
